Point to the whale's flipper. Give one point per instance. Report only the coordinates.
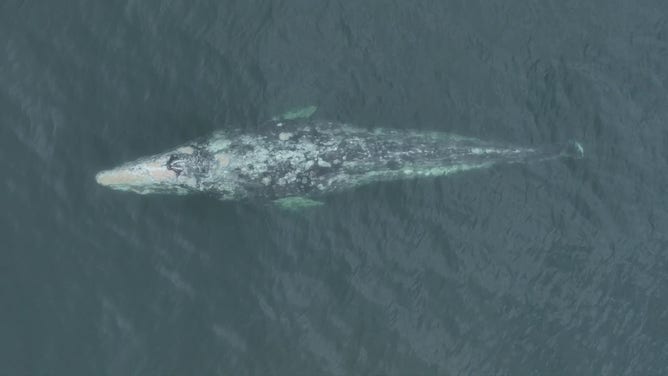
(297, 113)
(297, 203)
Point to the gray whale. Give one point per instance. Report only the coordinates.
(299, 160)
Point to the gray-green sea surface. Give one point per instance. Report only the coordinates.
(547, 268)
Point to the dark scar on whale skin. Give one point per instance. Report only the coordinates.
(175, 164)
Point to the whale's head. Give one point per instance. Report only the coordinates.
(178, 171)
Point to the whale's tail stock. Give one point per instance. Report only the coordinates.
(572, 149)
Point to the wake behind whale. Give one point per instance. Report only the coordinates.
(295, 161)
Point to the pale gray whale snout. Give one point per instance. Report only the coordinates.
(162, 173)
(298, 160)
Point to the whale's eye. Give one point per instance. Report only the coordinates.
(175, 163)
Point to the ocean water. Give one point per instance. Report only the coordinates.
(552, 268)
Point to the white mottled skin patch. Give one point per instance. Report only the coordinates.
(186, 150)
(223, 159)
(218, 142)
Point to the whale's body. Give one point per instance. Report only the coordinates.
(311, 158)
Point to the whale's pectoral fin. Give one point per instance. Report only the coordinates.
(297, 203)
(297, 113)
